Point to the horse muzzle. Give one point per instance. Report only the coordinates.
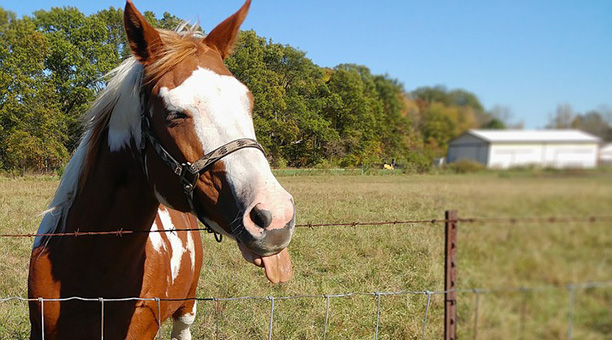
(268, 228)
(266, 235)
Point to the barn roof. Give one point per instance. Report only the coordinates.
(538, 136)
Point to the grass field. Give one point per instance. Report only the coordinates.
(335, 260)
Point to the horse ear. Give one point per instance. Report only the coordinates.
(224, 35)
(143, 38)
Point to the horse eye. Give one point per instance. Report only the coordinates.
(175, 115)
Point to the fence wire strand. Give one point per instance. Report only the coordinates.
(480, 291)
(310, 225)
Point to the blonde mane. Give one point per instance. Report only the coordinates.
(117, 109)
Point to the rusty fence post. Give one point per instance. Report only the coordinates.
(450, 277)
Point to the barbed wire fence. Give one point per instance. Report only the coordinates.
(450, 294)
(311, 225)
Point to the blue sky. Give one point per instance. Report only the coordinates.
(528, 56)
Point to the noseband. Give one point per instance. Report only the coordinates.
(190, 172)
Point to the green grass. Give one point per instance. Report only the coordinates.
(333, 260)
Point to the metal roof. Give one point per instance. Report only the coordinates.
(540, 136)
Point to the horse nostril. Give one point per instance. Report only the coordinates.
(261, 217)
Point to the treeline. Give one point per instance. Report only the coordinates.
(52, 65)
(596, 122)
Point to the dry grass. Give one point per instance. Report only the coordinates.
(391, 258)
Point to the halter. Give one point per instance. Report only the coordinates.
(190, 172)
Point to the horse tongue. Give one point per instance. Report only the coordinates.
(278, 267)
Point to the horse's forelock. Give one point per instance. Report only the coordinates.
(183, 43)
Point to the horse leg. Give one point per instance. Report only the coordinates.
(182, 320)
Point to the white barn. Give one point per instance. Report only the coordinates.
(502, 149)
(605, 154)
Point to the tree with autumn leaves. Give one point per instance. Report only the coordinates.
(52, 65)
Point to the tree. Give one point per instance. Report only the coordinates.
(167, 22)
(31, 134)
(396, 125)
(53, 65)
(594, 123)
(79, 56)
(498, 118)
(445, 114)
(6, 17)
(494, 124)
(112, 19)
(356, 113)
(563, 117)
(288, 90)
(438, 127)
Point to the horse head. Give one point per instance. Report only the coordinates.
(199, 148)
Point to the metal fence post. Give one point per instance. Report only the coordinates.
(570, 312)
(476, 310)
(377, 314)
(271, 298)
(450, 278)
(101, 318)
(42, 317)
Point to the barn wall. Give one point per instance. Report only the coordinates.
(605, 154)
(555, 155)
(470, 148)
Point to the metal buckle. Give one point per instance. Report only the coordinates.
(188, 184)
(179, 170)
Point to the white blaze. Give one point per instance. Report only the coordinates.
(220, 108)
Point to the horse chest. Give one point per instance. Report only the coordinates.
(172, 251)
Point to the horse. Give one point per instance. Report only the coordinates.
(169, 141)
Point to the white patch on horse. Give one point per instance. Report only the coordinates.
(156, 240)
(191, 250)
(176, 245)
(220, 108)
(180, 325)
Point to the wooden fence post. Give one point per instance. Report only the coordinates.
(450, 278)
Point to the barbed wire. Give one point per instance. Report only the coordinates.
(311, 225)
(119, 232)
(492, 220)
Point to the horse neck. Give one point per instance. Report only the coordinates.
(115, 195)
